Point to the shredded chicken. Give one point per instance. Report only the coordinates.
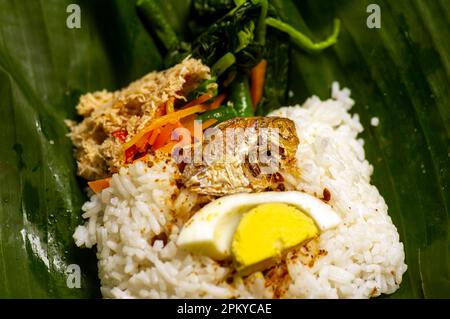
(98, 150)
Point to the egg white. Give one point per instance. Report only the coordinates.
(210, 230)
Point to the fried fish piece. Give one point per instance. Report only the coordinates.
(252, 154)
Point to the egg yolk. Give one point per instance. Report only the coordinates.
(265, 232)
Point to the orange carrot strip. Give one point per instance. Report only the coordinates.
(188, 123)
(165, 135)
(160, 110)
(183, 138)
(161, 121)
(154, 135)
(205, 125)
(200, 100)
(208, 123)
(140, 145)
(258, 74)
(218, 101)
(188, 119)
(99, 185)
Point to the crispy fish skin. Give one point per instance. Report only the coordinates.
(238, 171)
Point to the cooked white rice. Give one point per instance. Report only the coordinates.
(363, 257)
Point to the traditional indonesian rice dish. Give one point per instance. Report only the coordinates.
(203, 186)
(279, 206)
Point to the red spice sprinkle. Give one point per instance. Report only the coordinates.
(120, 134)
(130, 153)
(326, 195)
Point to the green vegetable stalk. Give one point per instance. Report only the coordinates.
(210, 86)
(261, 28)
(221, 114)
(223, 64)
(302, 40)
(240, 96)
(155, 21)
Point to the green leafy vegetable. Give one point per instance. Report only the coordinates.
(212, 8)
(277, 55)
(245, 36)
(222, 35)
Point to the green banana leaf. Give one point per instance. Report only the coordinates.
(399, 73)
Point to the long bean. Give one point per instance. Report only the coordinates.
(154, 19)
(240, 96)
(222, 113)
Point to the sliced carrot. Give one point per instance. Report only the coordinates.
(195, 135)
(188, 123)
(165, 135)
(218, 101)
(200, 100)
(191, 127)
(154, 136)
(161, 121)
(198, 135)
(188, 119)
(208, 123)
(161, 110)
(99, 185)
(258, 74)
(143, 141)
(183, 138)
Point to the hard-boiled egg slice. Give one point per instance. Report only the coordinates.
(266, 232)
(210, 231)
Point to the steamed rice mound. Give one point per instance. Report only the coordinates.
(135, 223)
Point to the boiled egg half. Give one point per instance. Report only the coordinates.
(252, 228)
